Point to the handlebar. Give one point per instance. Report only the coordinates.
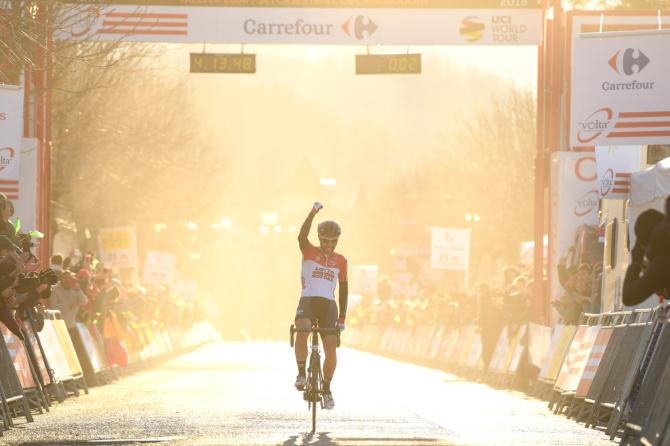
(323, 331)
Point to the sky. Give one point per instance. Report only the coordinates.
(306, 102)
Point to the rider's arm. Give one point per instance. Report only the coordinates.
(343, 300)
(303, 241)
(304, 230)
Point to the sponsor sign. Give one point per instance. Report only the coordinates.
(450, 249)
(336, 26)
(620, 86)
(159, 268)
(118, 247)
(615, 164)
(11, 136)
(574, 202)
(363, 279)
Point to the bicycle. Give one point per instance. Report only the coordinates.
(313, 387)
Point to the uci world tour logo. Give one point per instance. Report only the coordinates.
(472, 28)
(629, 61)
(361, 28)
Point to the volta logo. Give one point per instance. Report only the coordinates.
(6, 157)
(626, 60)
(585, 204)
(472, 28)
(594, 125)
(607, 183)
(363, 27)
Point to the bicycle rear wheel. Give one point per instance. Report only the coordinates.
(316, 387)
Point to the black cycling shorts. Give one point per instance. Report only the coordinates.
(312, 308)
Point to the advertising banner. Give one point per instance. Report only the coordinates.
(97, 364)
(118, 247)
(363, 279)
(318, 26)
(186, 289)
(615, 164)
(11, 135)
(19, 356)
(159, 268)
(574, 206)
(450, 249)
(620, 86)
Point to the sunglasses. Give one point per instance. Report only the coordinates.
(328, 240)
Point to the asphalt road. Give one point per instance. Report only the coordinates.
(241, 394)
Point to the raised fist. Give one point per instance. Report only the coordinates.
(317, 207)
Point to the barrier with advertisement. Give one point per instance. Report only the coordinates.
(54, 351)
(68, 349)
(93, 353)
(17, 352)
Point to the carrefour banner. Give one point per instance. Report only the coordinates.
(574, 209)
(11, 135)
(328, 26)
(620, 90)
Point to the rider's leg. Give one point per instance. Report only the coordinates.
(301, 343)
(329, 364)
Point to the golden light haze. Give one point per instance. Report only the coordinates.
(306, 109)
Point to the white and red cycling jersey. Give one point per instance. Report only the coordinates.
(320, 273)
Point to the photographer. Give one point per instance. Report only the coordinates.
(649, 271)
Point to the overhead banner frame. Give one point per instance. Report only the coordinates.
(313, 26)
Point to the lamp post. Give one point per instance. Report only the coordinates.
(471, 219)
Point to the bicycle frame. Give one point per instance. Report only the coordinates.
(313, 387)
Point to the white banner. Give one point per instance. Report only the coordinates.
(11, 136)
(574, 202)
(363, 279)
(186, 289)
(450, 249)
(329, 26)
(118, 247)
(615, 165)
(620, 90)
(159, 268)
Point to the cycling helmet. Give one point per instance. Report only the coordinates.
(329, 229)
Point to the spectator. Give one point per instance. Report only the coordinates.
(68, 298)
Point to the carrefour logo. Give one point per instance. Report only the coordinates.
(629, 61)
(472, 28)
(361, 28)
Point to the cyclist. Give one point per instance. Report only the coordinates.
(321, 268)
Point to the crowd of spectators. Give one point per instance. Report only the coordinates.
(490, 307)
(83, 290)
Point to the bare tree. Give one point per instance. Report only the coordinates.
(486, 167)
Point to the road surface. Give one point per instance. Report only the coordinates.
(241, 394)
